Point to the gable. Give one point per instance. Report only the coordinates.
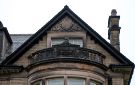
(59, 30)
(43, 31)
(66, 27)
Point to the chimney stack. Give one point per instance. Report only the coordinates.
(114, 29)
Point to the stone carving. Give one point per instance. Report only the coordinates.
(66, 25)
(66, 51)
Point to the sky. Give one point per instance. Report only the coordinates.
(28, 16)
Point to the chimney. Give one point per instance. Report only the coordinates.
(5, 41)
(114, 29)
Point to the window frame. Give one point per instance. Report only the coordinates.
(51, 35)
(46, 80)
(72, 40)
(36, 82)
(95, 82)
(84, 82)
(87, 81)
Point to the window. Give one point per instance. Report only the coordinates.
(94, 83)
(65, 81)
(77, 41)
(37, 83)
(76, 81)
(55, 81)
(56, 41)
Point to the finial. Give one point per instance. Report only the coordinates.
(66, 6)
(66, 39)
(114, 12)
(1, 25)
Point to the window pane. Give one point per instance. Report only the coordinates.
(94, 83)
(57, 41)
(37, 83)
(76, 41)
(56, 81)
(76, 81)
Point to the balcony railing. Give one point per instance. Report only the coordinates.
(66, 51)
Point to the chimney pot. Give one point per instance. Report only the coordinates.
(114, 12)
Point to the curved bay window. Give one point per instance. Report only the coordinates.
(66, 81)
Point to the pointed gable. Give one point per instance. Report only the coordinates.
(68, 21)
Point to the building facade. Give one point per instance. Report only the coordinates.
(65, 51)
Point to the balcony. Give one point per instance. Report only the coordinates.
(66, 52)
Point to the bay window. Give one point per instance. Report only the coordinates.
(65, 81)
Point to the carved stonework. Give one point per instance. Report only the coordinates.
(66, 51)
(66, 25)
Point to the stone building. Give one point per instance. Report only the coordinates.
(65, 51)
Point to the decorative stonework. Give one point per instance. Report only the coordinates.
(67, 52)
(66, 25)
(10, 69)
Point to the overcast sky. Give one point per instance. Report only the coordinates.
(28, 16)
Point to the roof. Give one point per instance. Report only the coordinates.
(18, 40)
(66, 11)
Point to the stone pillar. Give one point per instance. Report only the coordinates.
(114, 29)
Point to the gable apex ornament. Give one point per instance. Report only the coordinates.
(66, 6)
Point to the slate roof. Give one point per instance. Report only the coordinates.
(18, 40)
